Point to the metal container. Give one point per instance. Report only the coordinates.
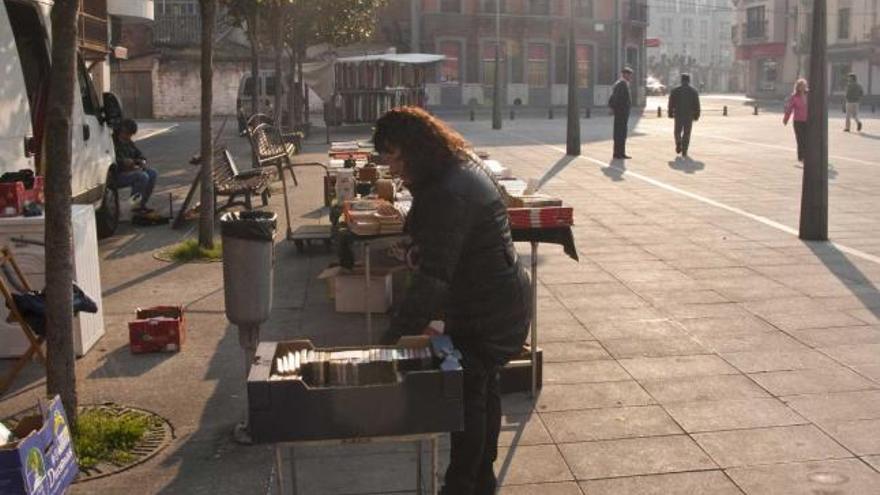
(248, 262)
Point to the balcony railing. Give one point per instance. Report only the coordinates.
(755, 30)
(638, 11)
(177, 29)
(92, 33)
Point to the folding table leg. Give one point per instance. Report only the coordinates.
(286, 201)
(420, 490)
(534, 331)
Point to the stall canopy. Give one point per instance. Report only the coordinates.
(319, 75)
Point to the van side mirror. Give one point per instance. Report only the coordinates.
(112, 110)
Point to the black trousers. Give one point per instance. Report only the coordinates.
(475, 449)
(800, 134)
(621, 122)
(683, 128)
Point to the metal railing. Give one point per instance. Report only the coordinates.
(638, 11)
(755, 30)
(177, 29)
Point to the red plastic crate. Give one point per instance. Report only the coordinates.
(37, 193)
(157, 329)
(12, 197)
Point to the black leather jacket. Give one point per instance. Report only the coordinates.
(468, 272)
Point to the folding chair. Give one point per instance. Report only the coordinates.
(15, 280)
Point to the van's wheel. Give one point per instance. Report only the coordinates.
(107, 215)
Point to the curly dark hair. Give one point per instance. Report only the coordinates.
(427, 145)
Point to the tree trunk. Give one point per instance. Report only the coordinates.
(296, 95)
(291, 95)
(279, 52)
(814, 192)
(206, 214)
(304, 100)
(253, 35)
(61, 372)
(573, 127)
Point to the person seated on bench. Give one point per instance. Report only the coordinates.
(132, 167)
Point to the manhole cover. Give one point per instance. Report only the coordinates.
(157, 437)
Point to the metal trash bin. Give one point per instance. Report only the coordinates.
(248, 260)
(248, 265)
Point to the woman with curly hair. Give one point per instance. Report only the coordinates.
(468, 276)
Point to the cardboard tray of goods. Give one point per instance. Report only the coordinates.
(298, 392)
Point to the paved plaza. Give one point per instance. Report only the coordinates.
(698, 347)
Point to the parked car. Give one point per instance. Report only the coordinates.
(655, 87)
(24, 26)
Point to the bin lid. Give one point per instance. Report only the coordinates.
(249, 225)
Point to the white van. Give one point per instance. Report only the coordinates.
(25, 56)
(265, 88)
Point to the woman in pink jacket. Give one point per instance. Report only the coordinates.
(797, 106)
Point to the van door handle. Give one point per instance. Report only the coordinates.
(87, 132)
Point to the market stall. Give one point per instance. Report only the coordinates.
(378, 215)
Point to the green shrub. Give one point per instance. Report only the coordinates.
(189, 250)
(104, 436)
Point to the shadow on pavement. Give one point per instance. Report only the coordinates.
(141, 279)
(122, 363)
(686, 165)
(557, 167)
(849, 274)
(615, 170)
(869, 136)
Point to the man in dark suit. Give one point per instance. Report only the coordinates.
(621, 104)
(684, 107)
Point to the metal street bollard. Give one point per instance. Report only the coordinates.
(659, 112)
(756, 109)
(587, 113)
(724, 112)
(873, 108)
(512, 115)
(472, 114)
(550, 113)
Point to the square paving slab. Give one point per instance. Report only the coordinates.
(769, 445)
(635, 456)
(837, 477)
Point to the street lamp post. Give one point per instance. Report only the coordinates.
(814, 195)
(496, 94)
(573, 128)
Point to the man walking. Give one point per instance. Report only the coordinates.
(620, 104)
(684, 107)
(854, 93)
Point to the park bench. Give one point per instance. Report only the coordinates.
(236, 186)
(231, 183)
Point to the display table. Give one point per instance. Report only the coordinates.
(535, 236)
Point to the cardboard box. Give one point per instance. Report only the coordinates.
(347, 288)
(42, 462)
(157, 329)
(424, 401)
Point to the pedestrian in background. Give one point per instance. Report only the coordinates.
(854, 94)
(620, 103)
(684, 107)
(797, 106)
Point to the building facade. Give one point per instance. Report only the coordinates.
(773, 45)
(854, 45)
(533, 47)
(161, 76)
(692, 36)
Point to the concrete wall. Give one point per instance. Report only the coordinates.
(177, 88)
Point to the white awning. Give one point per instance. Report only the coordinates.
(401, 58)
